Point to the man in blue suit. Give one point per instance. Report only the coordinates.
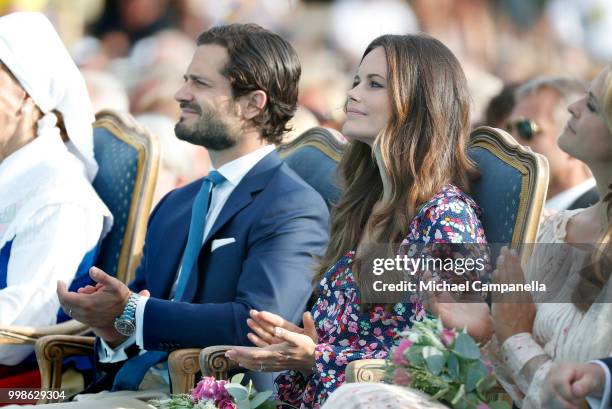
(242, 238)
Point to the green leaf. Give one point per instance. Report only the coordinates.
(486, 383)
(460, 394)
(475, 372)
(243, 404)
(453, 365)
(414, 354)
(237, 391)
(237, 378)
(440, 394)
(260, 398)
(471, 399)
(466, 347)
(446, 378)
(434, 358)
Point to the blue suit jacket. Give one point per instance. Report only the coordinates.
(608, 362)
(279, 224)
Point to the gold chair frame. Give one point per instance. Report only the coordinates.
(534, 181)
(329, 141)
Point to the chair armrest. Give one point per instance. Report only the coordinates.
(214, 362)
(365, 370)
(50, 353)
(373, 370)
(25, 335)
(183, 366)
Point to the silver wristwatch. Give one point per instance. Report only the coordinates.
(125, 324)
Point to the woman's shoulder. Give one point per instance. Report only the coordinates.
(450, 200)
(553, 225)
(451, 214)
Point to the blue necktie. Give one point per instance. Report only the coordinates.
(133, 371)
(131, 374)
(196, 231)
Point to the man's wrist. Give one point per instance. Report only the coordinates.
(125, 323)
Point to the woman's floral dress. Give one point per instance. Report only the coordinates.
(345, 332)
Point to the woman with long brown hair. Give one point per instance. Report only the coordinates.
(405, 173)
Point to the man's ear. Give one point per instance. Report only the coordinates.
(254, 103)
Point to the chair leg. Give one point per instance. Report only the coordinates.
(50, 363)
(50, 353)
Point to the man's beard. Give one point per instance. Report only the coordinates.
(208, 131)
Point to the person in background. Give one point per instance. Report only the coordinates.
(105, 91)
(537, 120)
(500, 107)
(51, 219)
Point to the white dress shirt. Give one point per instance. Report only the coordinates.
(53, 217)
(604, 402)
(233, 172)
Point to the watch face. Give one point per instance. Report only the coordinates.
(125, 327)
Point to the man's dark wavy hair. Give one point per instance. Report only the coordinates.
(260, 60)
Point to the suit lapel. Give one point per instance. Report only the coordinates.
(254, 181)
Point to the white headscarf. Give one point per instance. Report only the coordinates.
(32, 50)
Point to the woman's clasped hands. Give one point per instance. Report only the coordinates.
(280, 344)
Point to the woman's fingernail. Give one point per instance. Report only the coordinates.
(278, 331)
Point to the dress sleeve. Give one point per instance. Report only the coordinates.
(50, 247)
(521, 365)
(291, 387)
